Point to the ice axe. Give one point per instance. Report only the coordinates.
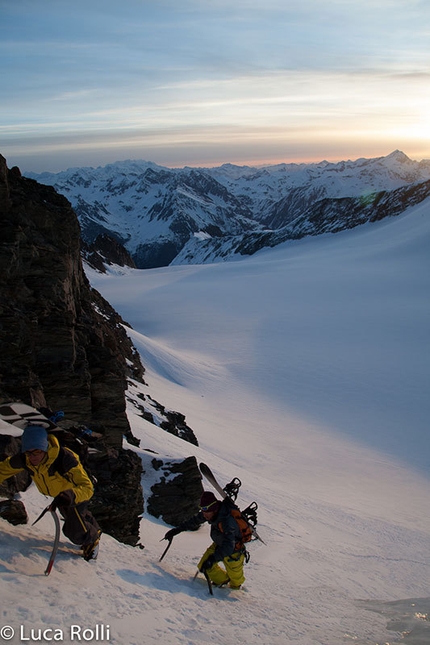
(167, 547)
(208, 580)
(56, 539)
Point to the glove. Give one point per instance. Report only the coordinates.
(171, 534)
(64, 499)
(208, 563)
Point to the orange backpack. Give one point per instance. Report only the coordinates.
(245, 527)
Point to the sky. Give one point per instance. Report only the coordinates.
(314, 394)
(206, 82)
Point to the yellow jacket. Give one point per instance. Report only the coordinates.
(60, 470)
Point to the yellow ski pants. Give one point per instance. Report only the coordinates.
(233, 568)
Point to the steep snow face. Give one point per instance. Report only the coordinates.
(303, 371)
(154, 211)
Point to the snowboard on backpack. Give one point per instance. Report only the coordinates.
(247, 519)
(22, 415)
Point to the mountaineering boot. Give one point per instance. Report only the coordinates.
(90, 551)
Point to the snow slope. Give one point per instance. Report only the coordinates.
(304, 371)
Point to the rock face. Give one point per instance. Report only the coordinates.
(13, 510)
(118, 498)
(62, 345)
(106, 250)
(65, 344)
(176, 496)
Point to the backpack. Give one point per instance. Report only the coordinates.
(246, 521)
(75, 439)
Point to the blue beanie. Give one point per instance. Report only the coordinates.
(34, 438)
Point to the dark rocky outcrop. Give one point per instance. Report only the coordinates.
(63, 347)
(106, 250)
(154, 412)
(13, 510)
(118, 498)
(65, 344)
(176, 496)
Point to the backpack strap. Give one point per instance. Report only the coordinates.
(64, 462)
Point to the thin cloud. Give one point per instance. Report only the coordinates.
(169, 75)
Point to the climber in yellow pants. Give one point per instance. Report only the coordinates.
(233, 564)
(227, 546)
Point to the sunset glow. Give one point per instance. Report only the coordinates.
(203, 83)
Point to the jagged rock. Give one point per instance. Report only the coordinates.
(4, 184)
(62, 345)
(66, 347)
(106, 250)
(176, 425)
(118, 499)
(152, 411)
(13, 510)
(175, 497)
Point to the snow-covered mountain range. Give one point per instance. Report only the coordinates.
(192, 215)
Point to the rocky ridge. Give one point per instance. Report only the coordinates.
(64, 347)
(324, 216)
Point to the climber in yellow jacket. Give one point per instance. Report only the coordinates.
(58, 473)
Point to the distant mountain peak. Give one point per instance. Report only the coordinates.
(398, 155)
(155, 211)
